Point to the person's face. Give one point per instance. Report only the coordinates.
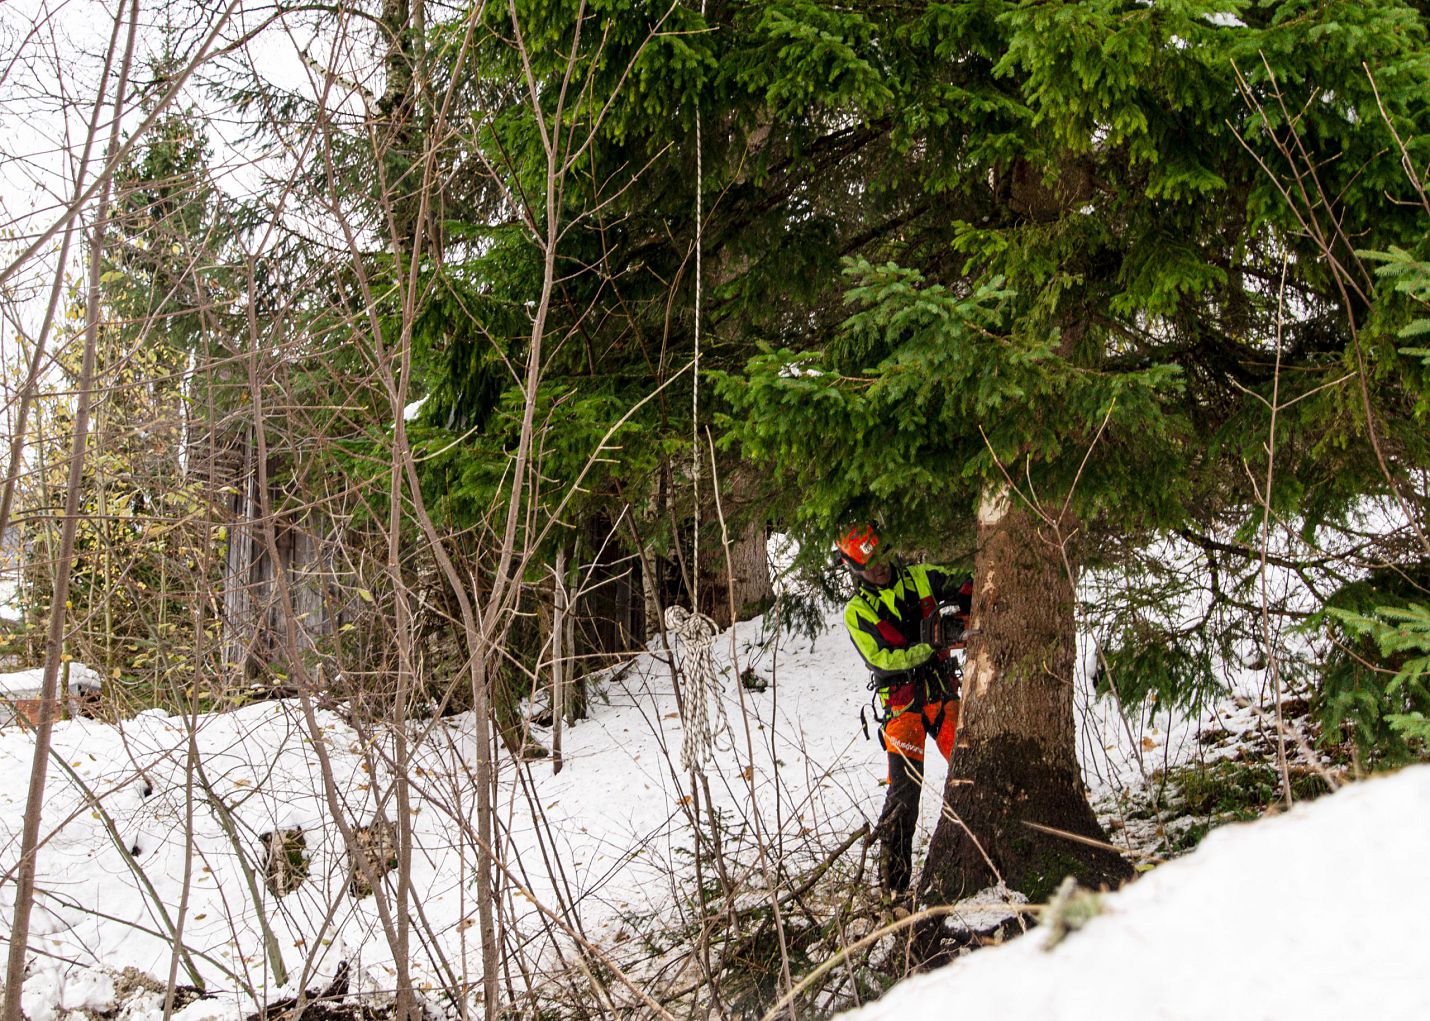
(878, 573)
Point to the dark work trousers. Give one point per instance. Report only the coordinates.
(898, 821)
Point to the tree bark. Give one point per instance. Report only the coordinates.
(743, 581)
(1016, 766)
(735, 574)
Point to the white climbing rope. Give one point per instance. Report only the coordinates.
(695, 368)
(702, 702)
(702, 707)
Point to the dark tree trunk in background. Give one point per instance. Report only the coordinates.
(1016, 759)
(735, 579)
(609, 617)
(746, 585)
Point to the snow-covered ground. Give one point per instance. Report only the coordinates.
(1323, 912)
(138, 813)
(129, 819)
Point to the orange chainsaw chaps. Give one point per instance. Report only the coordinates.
(905, 733)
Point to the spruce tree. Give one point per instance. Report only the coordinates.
(1084, 350)
(773, 86)
(1063, 229)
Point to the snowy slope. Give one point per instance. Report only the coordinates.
(1323, 912)
(605, 845)
(792, 771)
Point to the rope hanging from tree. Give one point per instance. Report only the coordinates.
(702, 707)
(695, 367)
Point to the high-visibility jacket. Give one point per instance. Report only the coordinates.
(884, 622)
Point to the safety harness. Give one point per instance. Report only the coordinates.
(887, 620)
(938, 682)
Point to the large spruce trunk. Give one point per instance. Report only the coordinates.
(1016, 767)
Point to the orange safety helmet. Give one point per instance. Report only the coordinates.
(857, 545)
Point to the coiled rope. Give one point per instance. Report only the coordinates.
(702, 702)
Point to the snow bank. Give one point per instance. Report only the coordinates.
(20, 692)
(26, 683)
(1320, 913)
